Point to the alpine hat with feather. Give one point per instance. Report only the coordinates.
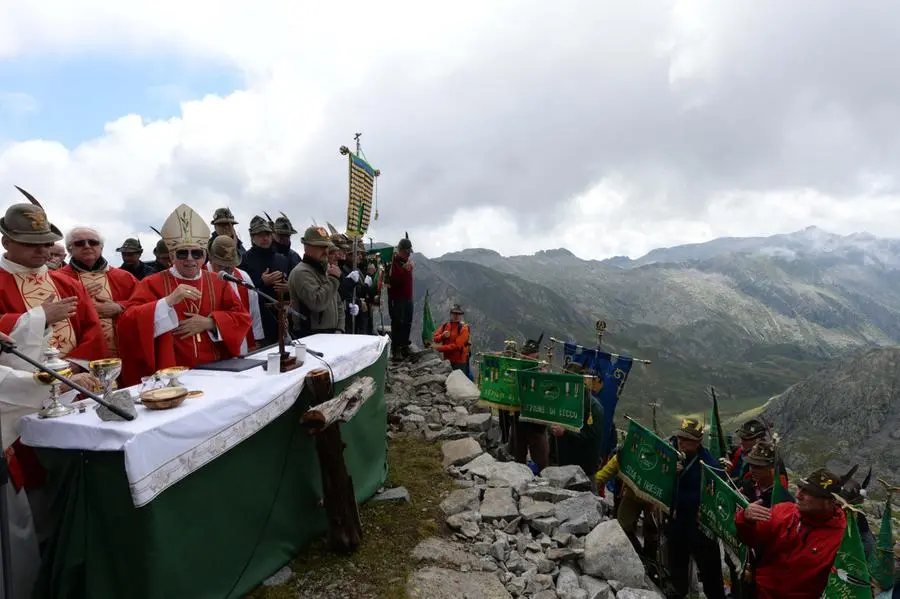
(28, 224)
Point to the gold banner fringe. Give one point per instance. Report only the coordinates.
(643, 495)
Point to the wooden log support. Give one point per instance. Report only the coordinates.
(345, 527)
(340, 409)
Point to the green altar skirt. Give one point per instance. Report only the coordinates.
(217, 533)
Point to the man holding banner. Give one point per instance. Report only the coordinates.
(684, 536)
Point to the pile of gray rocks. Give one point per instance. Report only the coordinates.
(514, 534)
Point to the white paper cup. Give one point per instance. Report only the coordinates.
(274, 364)
(300, 353)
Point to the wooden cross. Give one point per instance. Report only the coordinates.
(321, 420)
(288, 362)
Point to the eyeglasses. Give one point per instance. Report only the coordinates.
(183, 254)
(129, 254)
(81, 243)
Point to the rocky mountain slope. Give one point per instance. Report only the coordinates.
(847, 412)
(750, 316)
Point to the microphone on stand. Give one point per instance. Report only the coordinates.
(233, 279)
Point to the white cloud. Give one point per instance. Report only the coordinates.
(610, 128)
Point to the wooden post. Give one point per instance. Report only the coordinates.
(321, 420)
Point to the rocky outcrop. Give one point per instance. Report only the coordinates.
(513, 534)
(848, 412)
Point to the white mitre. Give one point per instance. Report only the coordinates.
(184, 228)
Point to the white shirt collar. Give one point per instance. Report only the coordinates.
(13, 268)
(178, 275)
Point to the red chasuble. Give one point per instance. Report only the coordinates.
(142, 354)
(79, 337)
(117, 286)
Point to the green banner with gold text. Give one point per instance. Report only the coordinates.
(648, 465)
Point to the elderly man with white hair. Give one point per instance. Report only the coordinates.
(109, 287)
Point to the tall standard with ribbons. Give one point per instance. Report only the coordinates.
(362, 193)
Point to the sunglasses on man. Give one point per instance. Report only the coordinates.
(83, 243)
(195, 254)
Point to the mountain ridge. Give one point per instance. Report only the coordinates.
(751, 317)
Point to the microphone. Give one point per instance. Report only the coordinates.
(233, 279)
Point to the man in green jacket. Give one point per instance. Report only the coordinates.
(313, 285)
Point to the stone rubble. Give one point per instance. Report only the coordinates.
(514, 534)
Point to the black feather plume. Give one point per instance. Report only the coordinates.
(868, 479)
(30, 197)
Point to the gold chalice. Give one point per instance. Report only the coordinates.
(172, 373)
(106, 371)
(53, 362)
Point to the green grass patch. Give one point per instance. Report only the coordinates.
(382, 563)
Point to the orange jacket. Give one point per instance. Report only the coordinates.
(456, 347)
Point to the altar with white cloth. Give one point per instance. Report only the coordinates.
(206, 499)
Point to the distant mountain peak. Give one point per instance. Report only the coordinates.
(558, 253)
(471, 253)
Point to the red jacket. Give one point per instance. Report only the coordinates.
(400, 283)
(796, 551)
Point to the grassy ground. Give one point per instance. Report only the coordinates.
(380, 566)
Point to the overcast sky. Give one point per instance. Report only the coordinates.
(608, 128)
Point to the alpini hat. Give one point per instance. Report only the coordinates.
(532, 346)
(821, 483)
(690, 429)
(223, 252)
(283, 226)
(852, 490)
(184, 228)
(28, 224)
(161, 249)
(339, 240)
(762, 454)
(457, 309)
(752, 429)
(317, 237)
(130, 245)
(223, 216)
(260, 225)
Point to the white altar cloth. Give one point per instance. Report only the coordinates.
(163, 446)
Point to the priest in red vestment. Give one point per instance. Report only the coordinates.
(27, 286)
(35, 301)
(224, 257)
(183, 316)
(108, 286)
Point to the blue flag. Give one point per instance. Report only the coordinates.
(613, 372)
